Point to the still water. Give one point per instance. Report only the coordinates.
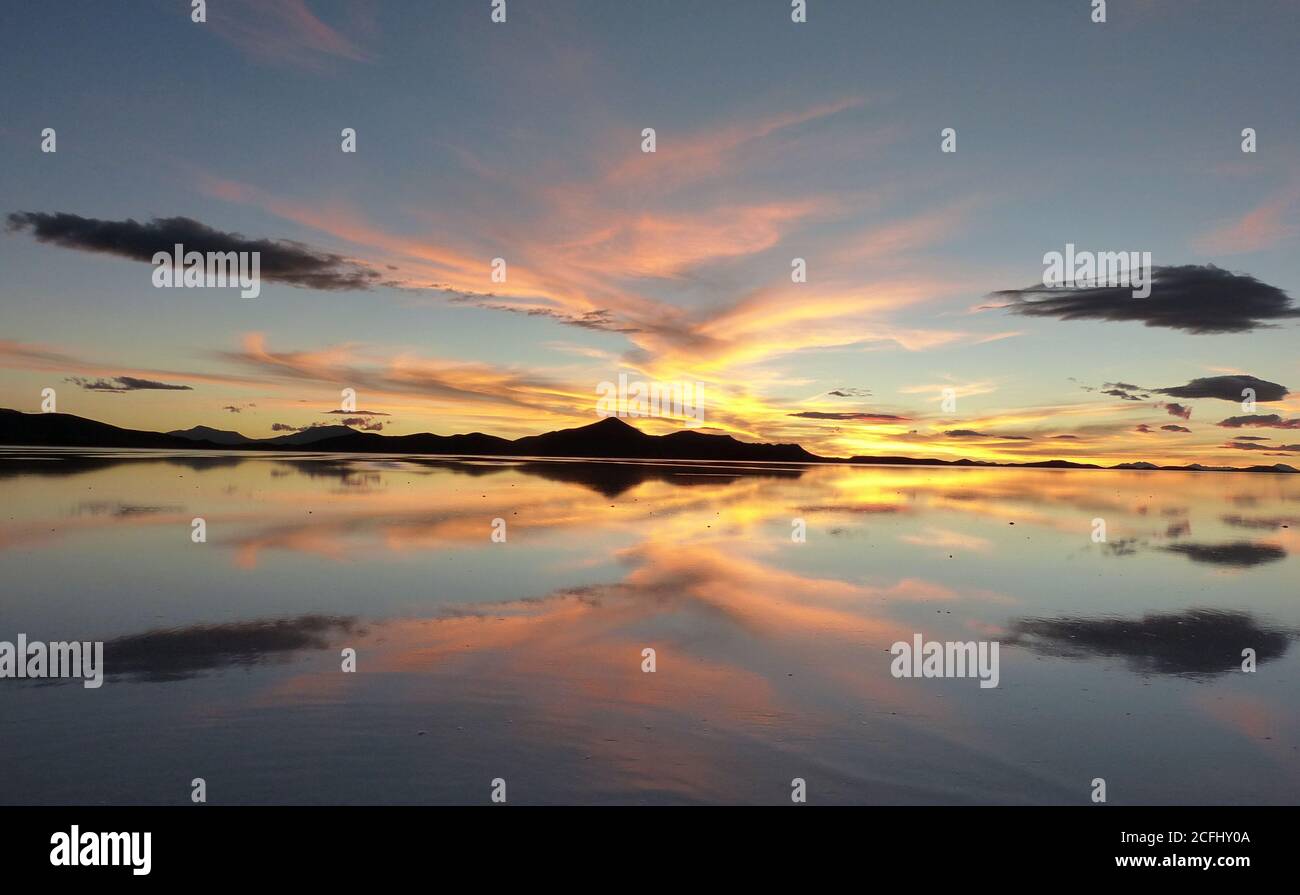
(522, 659)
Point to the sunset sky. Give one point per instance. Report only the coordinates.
(775, 141)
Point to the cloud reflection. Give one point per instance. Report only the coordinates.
(1198, 642)
(179, 653)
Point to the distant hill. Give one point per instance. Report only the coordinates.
(1040, 464)
(310, 435)
(610, 438)
(66, 430)
(306, 436)
(207, 433)
(424, 443)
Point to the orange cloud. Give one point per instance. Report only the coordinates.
(1263, 227)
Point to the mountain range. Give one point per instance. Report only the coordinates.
(610, 438)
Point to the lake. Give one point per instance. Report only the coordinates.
(502, 614)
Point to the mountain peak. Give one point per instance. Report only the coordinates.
(611, 424)
(312, 434)
(207, 433)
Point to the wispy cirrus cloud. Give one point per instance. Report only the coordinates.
(707, 154)
(287, 32)
(31, 356)
(512, 400)
(1267, 225)
(579, 256)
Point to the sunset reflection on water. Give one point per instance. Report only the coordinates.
(523, 660)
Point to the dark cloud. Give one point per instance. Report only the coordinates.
(231, 408)
(1194, 298)
(1123, 395)
(95, 385)
(366, 425)
(1227, 388)
(1173, 428)
(1142, 427)
(1259, 421)
(133, 383)
(370, 425)
(971, 433)
(125, 384)
(850, 392)
(1250, 438)
(600, 319)
(1243, 445)
(1178, 410)
(281, 260)
(359, 412)
(859, 417)
(1064, 437)
(1125, 391)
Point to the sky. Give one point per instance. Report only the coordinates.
(774, 141)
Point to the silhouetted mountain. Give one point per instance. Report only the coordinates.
(610, 438)
(311, 435)
(702, 446)
(424, 443)
(207, 433)
(1063, 464)
(66, 430)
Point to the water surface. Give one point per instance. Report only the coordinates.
(522, 660)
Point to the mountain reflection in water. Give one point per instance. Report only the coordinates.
(523, 659)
